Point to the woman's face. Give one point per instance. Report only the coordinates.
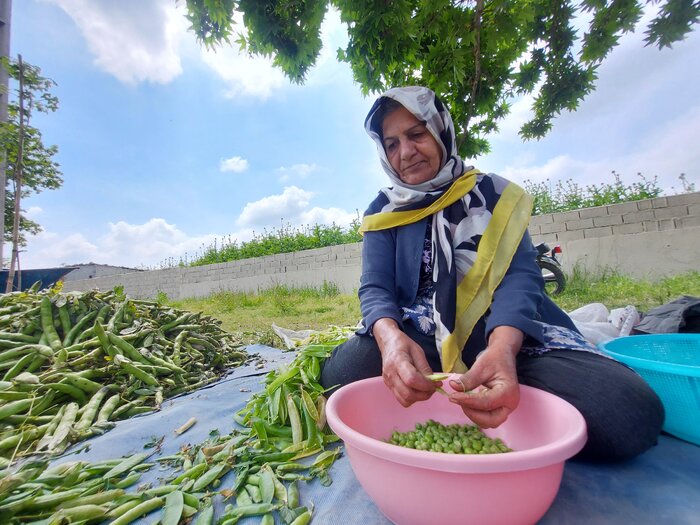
(412, 151)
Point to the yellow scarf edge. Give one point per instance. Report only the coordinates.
(497, 247)
(392, 219)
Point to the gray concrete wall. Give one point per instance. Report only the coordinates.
(90, 271)
(644, 239)
(649, 239)
(336, 264)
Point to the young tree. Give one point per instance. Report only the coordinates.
(476, 54)
(30, 164)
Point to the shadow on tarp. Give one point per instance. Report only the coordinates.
(661, 486)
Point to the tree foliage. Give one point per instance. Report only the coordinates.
(478, 55)
(39, 169)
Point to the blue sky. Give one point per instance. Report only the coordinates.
(165, 146)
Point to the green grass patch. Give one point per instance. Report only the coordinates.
(251, 315)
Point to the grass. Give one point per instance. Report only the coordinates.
(251, 315)
(615, 290)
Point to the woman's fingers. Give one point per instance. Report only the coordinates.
(404, 370)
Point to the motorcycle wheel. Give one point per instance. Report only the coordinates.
(554, 278)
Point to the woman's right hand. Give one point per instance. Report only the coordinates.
(404, 365)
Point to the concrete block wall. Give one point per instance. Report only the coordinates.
(646, 239)
(336, 264)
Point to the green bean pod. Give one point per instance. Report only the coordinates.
(302, 519)
(15, 407)
(127, 348)
(86, 385)
(205, 516)
(174, 506)
(48, 326)
(108, 408)
(102, 337)
(52, 500)
(106, 496)
(50, 429)
(256, 509)
(78, 327)
(77, 514)
(90, 410)
(210, 476)
(135, 371)
(20, 365)
(123, 508)
(64, 318)
(294, 420)
(293, 495)
(24, 436)
(139, 510)
(126, 465)
(73, 391)
(64, 427)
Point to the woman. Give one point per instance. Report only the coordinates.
(449, 282)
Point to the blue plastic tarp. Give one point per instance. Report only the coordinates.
(660, 486)
(47, 276)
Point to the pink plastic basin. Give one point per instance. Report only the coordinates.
(415, 487)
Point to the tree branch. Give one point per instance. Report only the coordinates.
(476, 81)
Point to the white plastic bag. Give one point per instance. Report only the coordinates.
(598, 324)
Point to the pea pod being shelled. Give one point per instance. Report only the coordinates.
(101, 354)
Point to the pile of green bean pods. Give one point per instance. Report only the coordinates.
(264, 483)
(256, 469)
(451, 439)
(79, 492)
(290, 411)
(71, 363)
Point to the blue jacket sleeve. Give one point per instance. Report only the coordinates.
(517, 301)
(378, 294)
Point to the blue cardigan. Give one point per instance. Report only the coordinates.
(391, 262)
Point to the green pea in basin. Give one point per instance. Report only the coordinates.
(449, 439)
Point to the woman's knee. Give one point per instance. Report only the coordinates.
(357, 358)
(623, 414)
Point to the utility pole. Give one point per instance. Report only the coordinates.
(5, 19)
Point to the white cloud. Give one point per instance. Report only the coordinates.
(235, 164)
(139, 41)
(33, 212)
(256, 76)
(289, 205)
(133, 40)
(297, 170)
(123, 244)
(244, 75)
(157, 243)
(327, 216)
(327, 69)
(665, 152)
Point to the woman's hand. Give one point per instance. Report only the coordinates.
(404, 365)
(495, 371)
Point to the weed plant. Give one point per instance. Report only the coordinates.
(569, 195)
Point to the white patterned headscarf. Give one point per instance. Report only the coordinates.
(426, 107)
(478, 221)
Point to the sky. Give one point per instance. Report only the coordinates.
(167, 147)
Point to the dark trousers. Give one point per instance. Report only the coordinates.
(623, 414)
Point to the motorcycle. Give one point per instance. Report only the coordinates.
(554, 278)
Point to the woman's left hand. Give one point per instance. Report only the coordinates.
(495, 372)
